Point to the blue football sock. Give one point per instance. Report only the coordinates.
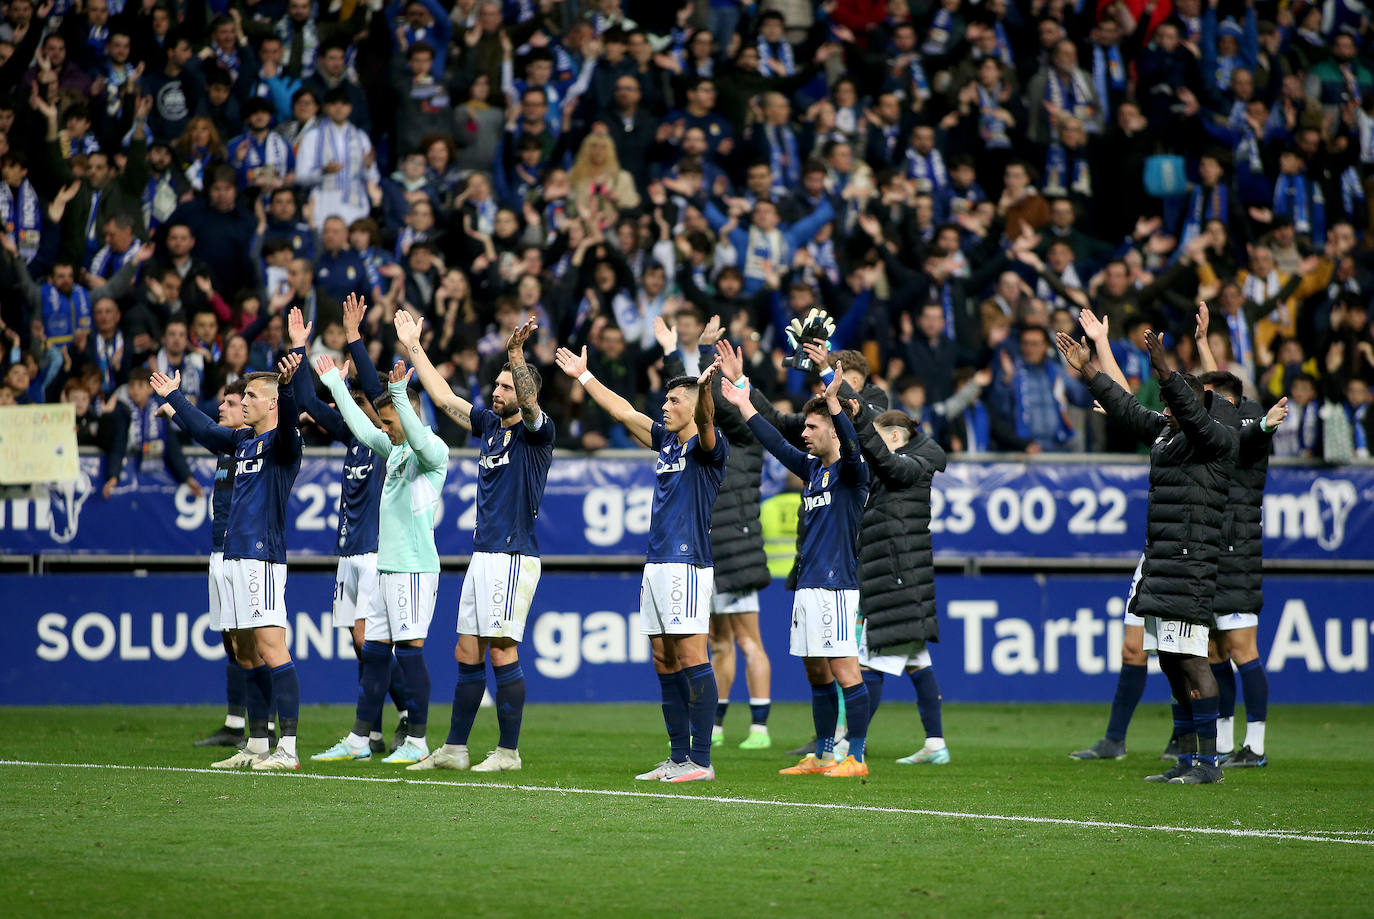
(856, 704)
(510, 703)
(721, 708)
(1205, 726)
(376, 663)
(258, 700)
(398, 690)
(235, 688)
(1130, 686)
(1226, 688)
(675, 717)
(759, 710)
(286, 695)
(467, 698)
(928, 700)
(873, 679)
(701, 707)
(412, 662)
(825, 713)
(1254, 688)
(1183, 728)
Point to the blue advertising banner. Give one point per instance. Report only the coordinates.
(86, 639)
(598, 506)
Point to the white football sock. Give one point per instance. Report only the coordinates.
(419, 742)
(374, 735)
(1226, 735)
(287, 744)
(256, 745)
(453, 749)
(234, 722)
(356, 742)
(1254, 736)
(935, 743)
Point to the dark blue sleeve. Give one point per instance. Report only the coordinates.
(478, 419)
(287, 444)
(776, 444)
(853, 470)
(308, 401)
(203, 430)
(368, 378)
(656, 435)
(852, 321)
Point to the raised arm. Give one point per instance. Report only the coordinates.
(767, 434)
(287, 443)
(526, 392)
(408, 333)
(706, 410)
(203, 429)
(303, 383)
(1096, 330)
(1205, 357)
(1204, 433)
(640, 426)
(1114, 398)
(852, 465)
(349, 414)
(355, 308)
(429, 449)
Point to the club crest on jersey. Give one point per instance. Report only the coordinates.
(825, 479)
(506, 440)
(259, 451)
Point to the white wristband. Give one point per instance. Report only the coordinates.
(584, 376)
(742, 382)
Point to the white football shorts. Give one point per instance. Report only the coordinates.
(402, 606)
(256, 594)
(675, 599)
(895, 659)
(1129, 617)
(823, 623)
(498, 591)
(725, 604)
(354, 584)
(1232, 621)
(219, 592)
(1176, 637)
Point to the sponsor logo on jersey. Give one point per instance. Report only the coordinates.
(357, 473)
(247, 467)
(817, 501)
(663, 467)
(491, 462)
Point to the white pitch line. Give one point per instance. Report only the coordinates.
(1334, 836)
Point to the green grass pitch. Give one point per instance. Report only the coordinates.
(138, 842)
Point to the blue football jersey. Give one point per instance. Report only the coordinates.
(511, 473)
(686, 481)
(222, 500)
(832, 505)
(265, 469)
(364, 472)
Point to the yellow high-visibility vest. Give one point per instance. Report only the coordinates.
(779, 518)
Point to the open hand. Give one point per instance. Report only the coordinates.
(1075, 352)
(297, 330)
(705, 378)
(1094, 328)
(323, 364)
(400, 373)
(731, 362)
(1276, 415)
(665, 335)
(1203, 319)
(1158, 360)
(287, 367)
(574, 365)
(521, 335)
(407, 328)
(163, 385)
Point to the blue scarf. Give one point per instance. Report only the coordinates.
(96, 36)
(159, 200)
(230, 62)
(939, 34)
(146, 431)
(1003, 46)
(272, 155)
(105, 359)
(1027, 399)
(341, 146)
(106, 263)
(310, 42)
(1239, 331)
(783, 157)
(1202, 207)
(1356, 416)
(1294, 197)
(1109, 72)
(920, 86)
(947, 307)
(782, 52)
(928, 170)
(65, 314)
(1067, 95)
(22, 219)
(976, 428)
(1352, 191)
(1066, 174)
(992, 129)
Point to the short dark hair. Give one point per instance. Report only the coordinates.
(383, 401)
(534, 371)
(262, 376)
(852, 360)
(816, 405)
(686, 381)
(235, 388)
(420, 47)
(140, 375)
(1228, 384)
(1194, 384)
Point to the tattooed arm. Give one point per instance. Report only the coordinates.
(457, 408)
(526, 390)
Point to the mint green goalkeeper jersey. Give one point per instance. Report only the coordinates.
(415, 473)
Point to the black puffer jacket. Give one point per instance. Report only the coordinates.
(791, 425)
(896, 562)
(1239, 572)
(1190, 479)
(736, 534)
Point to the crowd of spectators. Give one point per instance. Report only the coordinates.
(953, 181)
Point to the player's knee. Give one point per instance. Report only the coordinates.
(504, 654)
(1133, 654)
(1215, 653)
